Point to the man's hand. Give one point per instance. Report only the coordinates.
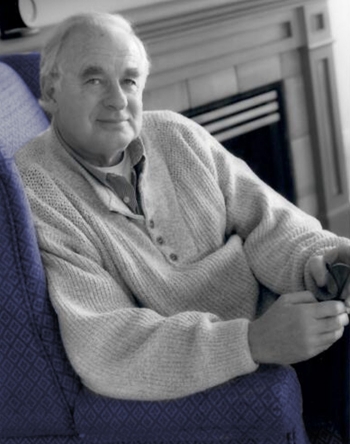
(296, 328)
(320, 273)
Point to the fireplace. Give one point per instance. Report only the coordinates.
(252, 126)
(208, 56)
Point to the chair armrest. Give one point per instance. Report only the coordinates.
(31, 399)
(264, 406)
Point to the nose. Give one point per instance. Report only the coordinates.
(115, 97)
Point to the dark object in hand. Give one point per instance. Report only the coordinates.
(339, 274)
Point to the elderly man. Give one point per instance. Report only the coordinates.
(164, 254)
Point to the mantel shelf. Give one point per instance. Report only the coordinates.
(176, 16)
(170, 18)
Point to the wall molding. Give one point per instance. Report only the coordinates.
(175, 17)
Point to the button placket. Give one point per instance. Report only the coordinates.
(161, 242)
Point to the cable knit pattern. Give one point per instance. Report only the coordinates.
(136, 323)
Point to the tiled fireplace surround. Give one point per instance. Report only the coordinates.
(201, 53)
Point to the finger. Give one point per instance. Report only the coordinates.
(328, 309)
(318, 270)
(321, 348)
(346, 292)
(347, 303)
(330, 338)
(301, 297)
(333, 324)
(325, 341)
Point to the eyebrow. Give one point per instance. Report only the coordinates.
(95, 70)
(133, 72)
(91, 71)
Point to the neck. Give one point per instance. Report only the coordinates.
(96, 160)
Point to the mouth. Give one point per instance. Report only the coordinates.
(112, 123)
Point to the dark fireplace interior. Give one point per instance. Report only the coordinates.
(253, 126)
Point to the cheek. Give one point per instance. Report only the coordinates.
(136, 108)
(67, 105)
(77, 112)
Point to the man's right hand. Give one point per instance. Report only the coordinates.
(296, 328)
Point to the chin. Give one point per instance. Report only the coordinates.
(116, 144)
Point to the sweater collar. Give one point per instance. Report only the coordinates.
(133, 156)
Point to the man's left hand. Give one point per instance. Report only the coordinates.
(321, 275)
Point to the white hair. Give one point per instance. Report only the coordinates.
(49, 69)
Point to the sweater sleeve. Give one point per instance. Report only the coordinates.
(119, 349)
(279, 239)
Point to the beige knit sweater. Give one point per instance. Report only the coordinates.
(136, 323)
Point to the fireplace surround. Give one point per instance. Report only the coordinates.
(203, 53)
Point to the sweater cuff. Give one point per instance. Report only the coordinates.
(247, 358)
(236, 356)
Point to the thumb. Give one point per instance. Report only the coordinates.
(300, 297)
(318, 270)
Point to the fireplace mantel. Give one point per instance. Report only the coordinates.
(176, 16)
(203, 51)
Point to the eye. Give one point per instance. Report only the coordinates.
(131, 83)
(94, 81)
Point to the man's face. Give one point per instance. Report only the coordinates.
(97, 100)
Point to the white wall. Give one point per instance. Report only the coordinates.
(340, 21)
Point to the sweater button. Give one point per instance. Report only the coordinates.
(151, 223)
(173, 257)
(160, 240)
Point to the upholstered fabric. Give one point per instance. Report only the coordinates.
(27, 66)
(31, 400)
(20, 115)
(262, 407)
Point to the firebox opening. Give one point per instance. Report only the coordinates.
(253, 126)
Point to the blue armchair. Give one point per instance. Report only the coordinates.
(41, 398)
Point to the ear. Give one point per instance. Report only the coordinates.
(49, 87)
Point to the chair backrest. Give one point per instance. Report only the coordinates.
(28, 326)
(20, 114)
(27, 66)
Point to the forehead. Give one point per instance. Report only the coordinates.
(106, 47)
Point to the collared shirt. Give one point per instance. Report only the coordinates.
(121, 178)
